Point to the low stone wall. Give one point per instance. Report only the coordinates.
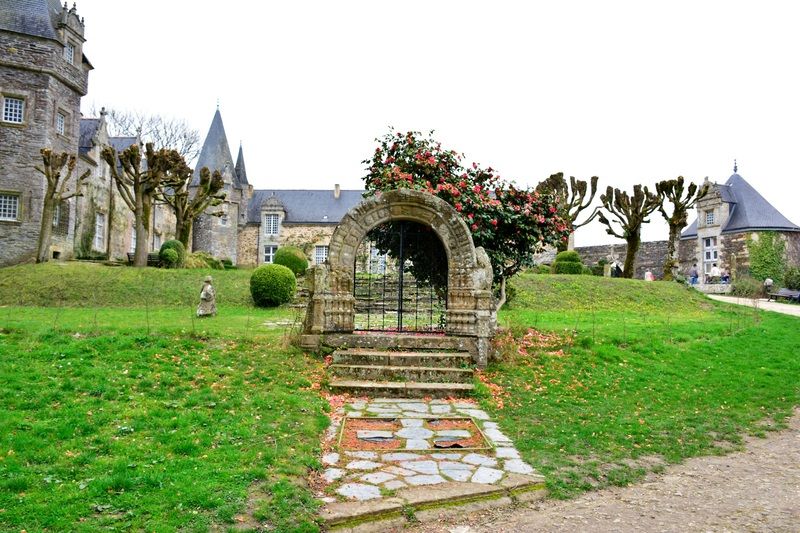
(650, 257)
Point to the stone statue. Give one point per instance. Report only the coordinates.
(208, 299)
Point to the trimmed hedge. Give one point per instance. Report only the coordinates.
(292, 258)
(272, 285)
(567, 268)
(568, 256)
(179, 249)
(169, 258)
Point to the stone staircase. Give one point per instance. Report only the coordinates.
(409, 370)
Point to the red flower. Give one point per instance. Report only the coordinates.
(474, 227)
(494, 222)
(458, 206)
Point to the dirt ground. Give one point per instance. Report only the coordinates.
(754, 490)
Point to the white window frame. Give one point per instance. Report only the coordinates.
(69, 53)
(271, 222)
(269, 253)
(9, 207)
(13, 109)
(709, 217)
(710, 253)
(133, 238)
(99, 232)
(61, 123)
(56, 215)
(320, 254)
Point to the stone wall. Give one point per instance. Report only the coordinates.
(651, 256)
(34, 70)
(248, 253)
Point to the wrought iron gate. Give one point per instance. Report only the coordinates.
(388, 297)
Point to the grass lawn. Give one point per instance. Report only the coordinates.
(636, 375)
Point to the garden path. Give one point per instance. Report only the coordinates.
(778, 307)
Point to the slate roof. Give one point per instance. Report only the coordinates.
(241, 172)
(121, 143)
(88, 128)
(216, 154)
(30, 17)
(749, 211)
(306, 206)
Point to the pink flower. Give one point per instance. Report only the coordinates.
(474, 227)
(494, 222)
(458, 206)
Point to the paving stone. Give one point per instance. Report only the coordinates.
(412, 422)
(412, 414)
(367, 434)
(389, 400)
(362, 455)
(462, 433)
(457, 475)
(400, 456)
(479, 459)
(414, 433)
(359, 491)
(490, 425)
(450, 465)
(495, 435)
(464, 405)
(327, 499)
(487, 475)
(448, 456)
(363, 465)
(357, 406)
(394, 484)
(425, 480)
(518, 466)
(441, 409)
(396, 470)
(332, 474)
(330, 458)
(415, 407)
(383, 410)
(417, 444)
(506, 453)
(423, 467)
(376, 478)
(475, 413)
(355, 414)
(439, 402)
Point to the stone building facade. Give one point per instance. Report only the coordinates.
(43, 75)
(651, 256)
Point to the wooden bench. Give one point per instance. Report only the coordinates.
(785, 293)
(152, 259)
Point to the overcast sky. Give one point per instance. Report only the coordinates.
(633, 92)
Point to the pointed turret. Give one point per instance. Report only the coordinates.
(216, 154)
(241, 172)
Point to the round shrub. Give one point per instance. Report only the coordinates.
(541, 269)
(791, 279)
(567, 268)
(180, 251)
(292, 258)
(272, 285)
(169, 258)
(568, 256)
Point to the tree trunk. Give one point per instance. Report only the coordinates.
(502, 300)
(45, 231)
(142, 221)
(183, 229)
(670, 263)
(630, 256)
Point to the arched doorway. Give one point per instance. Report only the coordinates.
(470, 305)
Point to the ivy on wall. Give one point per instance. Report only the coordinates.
(767, 256)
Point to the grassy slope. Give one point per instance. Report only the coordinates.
(103, 425)
(650, 373)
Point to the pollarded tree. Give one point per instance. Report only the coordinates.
(509, 222)
(630, 212)
(56, 182)
(682, 198)
(139, 184)
(175, 192)
(571, 199)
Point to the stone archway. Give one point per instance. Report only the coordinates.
(470, 305)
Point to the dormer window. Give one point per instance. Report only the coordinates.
(69, 53)
(271, 224)
(709, 217)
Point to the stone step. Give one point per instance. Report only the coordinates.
(400, 389)
(395, 341)
(423, 374)
(360, 356)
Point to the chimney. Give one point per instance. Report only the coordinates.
(337, 191)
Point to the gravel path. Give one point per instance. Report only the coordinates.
(778, 307)
(754, 490)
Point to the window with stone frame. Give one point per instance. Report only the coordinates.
(709, 217)
(61, 123)
(13, 110)
(269, 253)
(69, 53)
(320, 254)
(9, 206)
(710, 253)
(99, 232)
(271, 224)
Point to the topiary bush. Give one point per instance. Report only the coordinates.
(791, 278)
(180, 251)
(568, 256)
(541, 269)
(568, 262)
(272, 285)
(169, 258)
(292, 258)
